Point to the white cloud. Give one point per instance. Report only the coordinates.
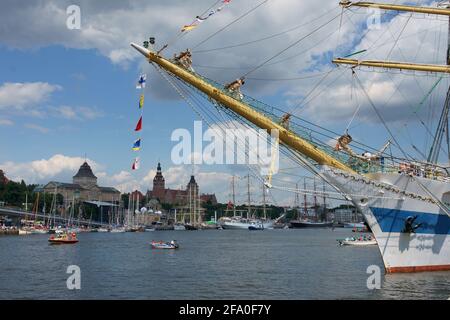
(77, 113)
(36, 127)
(6, 122)
(44, 170)
(18, 96)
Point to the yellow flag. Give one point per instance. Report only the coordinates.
(188, 28)
(141, 101)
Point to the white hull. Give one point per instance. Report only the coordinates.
(386, 210)
(358, 243)
(245, 225)
(354, 225)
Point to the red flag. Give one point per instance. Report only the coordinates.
(139, 125)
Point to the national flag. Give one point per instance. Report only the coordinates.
(141, 81)
(141, 101)
(135, 165)
(137, 145)
(139, 125)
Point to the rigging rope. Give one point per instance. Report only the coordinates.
(380, 116)
(290, 46)
(229, 24)
(267, 37)
(181, 34)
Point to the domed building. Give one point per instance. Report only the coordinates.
(83, 188)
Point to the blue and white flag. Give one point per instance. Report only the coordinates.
(141, 82)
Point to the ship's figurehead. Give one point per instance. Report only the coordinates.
(409, 225)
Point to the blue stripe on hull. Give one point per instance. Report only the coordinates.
(393, 220)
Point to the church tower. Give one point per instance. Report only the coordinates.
(158, 184)
(193, 201)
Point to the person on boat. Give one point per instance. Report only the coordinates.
(343, 142)
(235, 87)
(184, 59)
(285, 120)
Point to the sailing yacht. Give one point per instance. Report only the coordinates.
(405, 203)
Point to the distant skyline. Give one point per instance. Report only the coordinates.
(67, 95)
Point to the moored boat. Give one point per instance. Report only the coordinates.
(188, 226)
(256, 227)
(179, 227)
(309, 224)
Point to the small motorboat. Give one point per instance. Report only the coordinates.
(165, 245)
(254, 227)
(63, 238)
(353, 241)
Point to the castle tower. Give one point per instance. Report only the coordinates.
(159, 184)
(85, 177)
(193, 200)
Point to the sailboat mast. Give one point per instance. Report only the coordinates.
(305, 204)
(234, 197)
(264, 201)
(248, 196)
(433, 156)
(315, 201)
(443, 121)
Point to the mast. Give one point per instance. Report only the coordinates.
(315, 200)
(264, 201)
(287, 137)
(248, 196)
(234, 197)
(396, 7)
(325, 203)
(391, 64)
(394, 65)
(297, 201)
(305, 204)
(443, 120)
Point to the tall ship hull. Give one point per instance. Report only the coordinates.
(245, 225)
(297, 224)
(387, 201)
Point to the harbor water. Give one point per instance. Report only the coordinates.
(210, 264)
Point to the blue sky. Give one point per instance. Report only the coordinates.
(91, 103)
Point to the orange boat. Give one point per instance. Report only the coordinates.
(63, 238)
